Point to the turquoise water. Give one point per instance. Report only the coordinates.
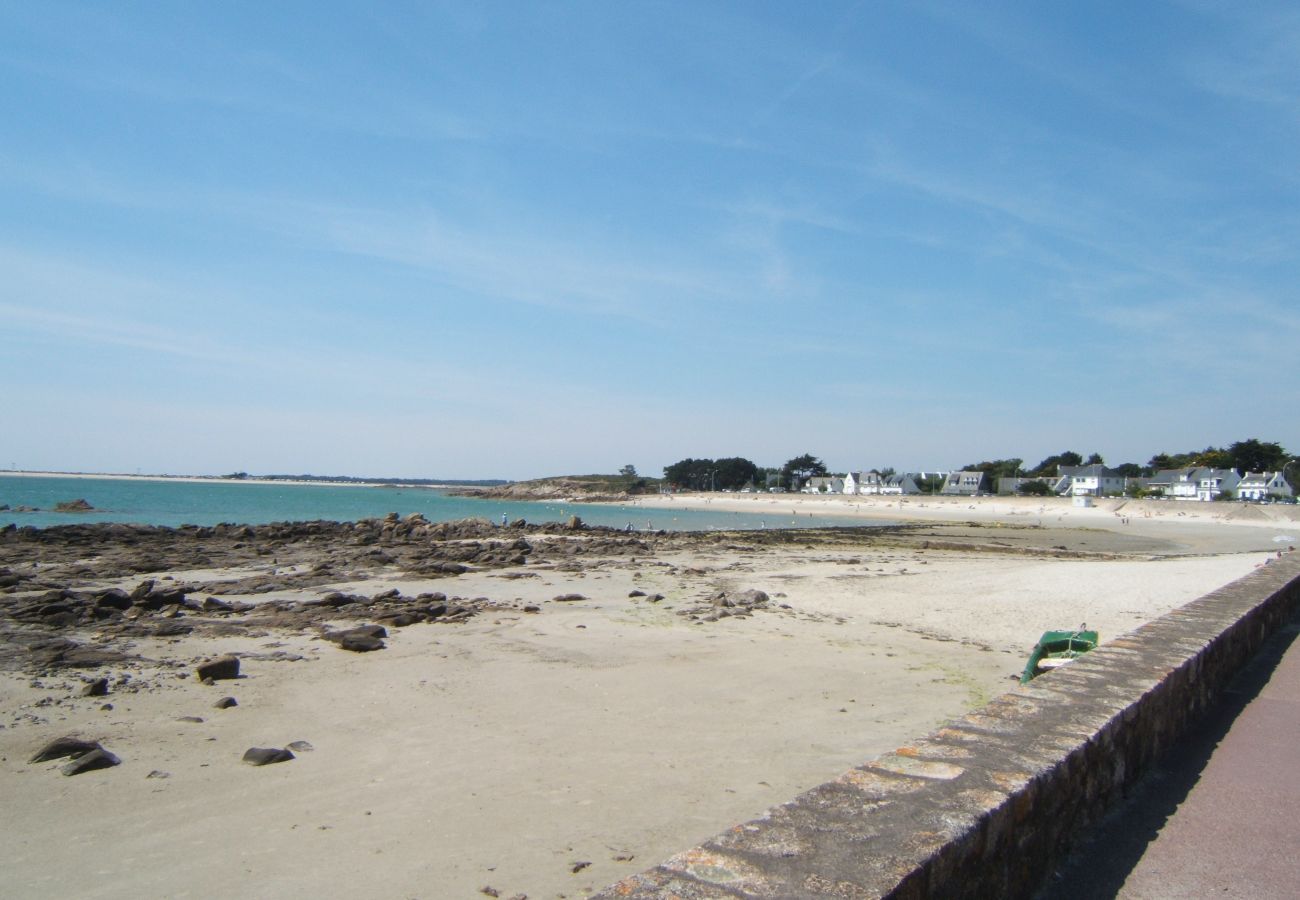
(164, 502)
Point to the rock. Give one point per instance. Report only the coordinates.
(301, 746)
(575, 523)
(194, 719)
(77, 656)
(114, 598)
(636, 594)
(225, 703)
(360, 643)
(97, 688)
(175, 629)
(223, 667)
(73, 506)
(569, 598)
(64, 746)
(532, 609)
(98, 758)
(265, 756)
(158, 773)
(371, 631)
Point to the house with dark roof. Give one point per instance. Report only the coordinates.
(965, 484)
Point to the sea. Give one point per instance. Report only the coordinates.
(174, 502)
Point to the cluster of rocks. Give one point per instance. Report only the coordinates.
(731, 604)
(303, 554)
(86, 755)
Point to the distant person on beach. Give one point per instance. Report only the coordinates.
(503, 520)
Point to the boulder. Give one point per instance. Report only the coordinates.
(223, 667)
(360, 643)
(99, 758)
(114, 598)
(97, 688)
(64, 746)
(265, 756)
(226, 703)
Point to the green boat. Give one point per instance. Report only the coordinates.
(1056, 648)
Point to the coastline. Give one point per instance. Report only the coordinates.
(1228, 525)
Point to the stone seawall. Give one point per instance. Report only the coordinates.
(987, 805)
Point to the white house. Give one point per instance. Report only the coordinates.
(863, 482)
(1211, 483)
(1090, 481)
(1181, 484)
(1263, 486)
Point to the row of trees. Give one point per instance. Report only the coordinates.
(734, 473)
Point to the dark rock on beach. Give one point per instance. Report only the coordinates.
(99, 758)
(265, 756)
(97, 688)
(63, 747)
(224, 667)
(359, 643)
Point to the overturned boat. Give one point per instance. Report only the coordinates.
(1056, 648)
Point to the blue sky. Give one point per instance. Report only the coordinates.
(513, 240)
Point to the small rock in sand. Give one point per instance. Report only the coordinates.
(219, 668)
(265, 756)
(226, 703)
(97, 688)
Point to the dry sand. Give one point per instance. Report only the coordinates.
(548, 754)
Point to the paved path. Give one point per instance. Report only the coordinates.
(1221, 816)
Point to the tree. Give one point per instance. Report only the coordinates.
(734, 472)
(628, 471)
(1051, 465)
(1213, 458)
(930, 484)
(1094, 459)
(731, 473)
(1129, 470)
(1034, 489)
(688, 473)
(1170, 461)
(1256, 456)
(798, 470)
(997, 468)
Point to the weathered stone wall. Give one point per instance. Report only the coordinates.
(987, 805)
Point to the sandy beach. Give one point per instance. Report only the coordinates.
(585, 703)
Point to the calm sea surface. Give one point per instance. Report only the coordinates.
(169, 502)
